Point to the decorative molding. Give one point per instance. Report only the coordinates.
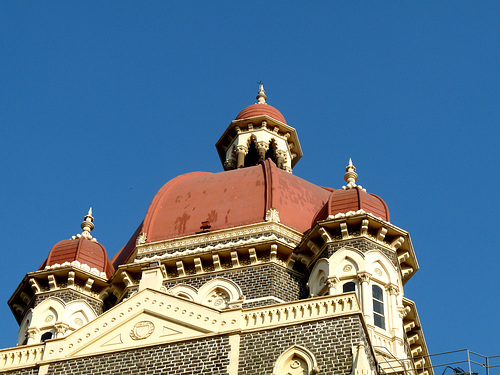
(219, 240)
(273, 215)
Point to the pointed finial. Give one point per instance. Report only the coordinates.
(350, 176)
(261, 96)
(88, 224)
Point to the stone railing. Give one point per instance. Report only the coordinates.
(304, 310)
(22, 356)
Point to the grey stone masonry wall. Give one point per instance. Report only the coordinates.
(69, 295)
(329, 340)
(28, 371)
(362, 244)
(258, 281)
(204, 356)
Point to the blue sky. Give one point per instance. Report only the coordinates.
(101, 103)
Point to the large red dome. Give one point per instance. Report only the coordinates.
(260, 109)
(82, 250)
(225, 200)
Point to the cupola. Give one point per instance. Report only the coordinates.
(258, 133)
(82, 248)
(352, 198)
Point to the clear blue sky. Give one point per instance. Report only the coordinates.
(101, 103)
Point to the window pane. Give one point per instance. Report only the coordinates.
(377, 293)
(378, 307)
(379, 321)
(349, 287)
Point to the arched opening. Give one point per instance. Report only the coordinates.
(252, 158)
(46, 336)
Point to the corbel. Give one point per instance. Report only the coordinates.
(198, 265)
(216, 260)
(71, 279)
(406, 271)
(409, 326)
(25, 297)
(88, 285)
(180, 268)
(403, 256)
(274, 252)
(343, 230)
(413, 339)
(35, 286)
(364, 227)
(126, 279)
(253, 255)
(324, 234)
(234, 259)
(396, 244)
(381, 234)
(313, 247)
(416, 350)
(52, 282)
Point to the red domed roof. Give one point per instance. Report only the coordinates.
(82, 250)
(260, 109)
(227, 199)
(343, 201)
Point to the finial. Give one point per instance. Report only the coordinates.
(88, 224)
(350, 176)
(261, 96)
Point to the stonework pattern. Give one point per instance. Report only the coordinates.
(204, 356)
(329, 340)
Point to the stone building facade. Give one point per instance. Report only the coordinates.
(248, 271)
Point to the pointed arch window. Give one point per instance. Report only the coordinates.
(378, 306)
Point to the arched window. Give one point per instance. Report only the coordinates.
(349, 287)
(46, 336)
(378, 306)
(296, 360)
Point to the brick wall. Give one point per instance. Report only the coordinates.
(362, 245)
(69, 295)
(29, 371)
(255, 282)
(329, 340)
(204, 356)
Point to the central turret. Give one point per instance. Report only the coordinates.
(259, 132)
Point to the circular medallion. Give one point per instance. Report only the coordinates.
(347, 268)
(142, 330)
(49, 318)
(78, 322)
(378, 271)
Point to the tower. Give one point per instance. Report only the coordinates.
(252, 270)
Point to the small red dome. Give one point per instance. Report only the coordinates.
(260, 109)
(343, 201)
(82, 250)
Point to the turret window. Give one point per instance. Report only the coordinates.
(378, 307)
(46, 336)
(349, 287)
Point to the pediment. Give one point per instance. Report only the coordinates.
(148, 318)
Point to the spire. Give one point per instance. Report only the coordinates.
(351, 177)
(261, 96)
(88, 224)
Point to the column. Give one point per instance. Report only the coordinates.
(366, 296)
(332, 282)
(262, 147)
(241, 152)
(393, 291)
